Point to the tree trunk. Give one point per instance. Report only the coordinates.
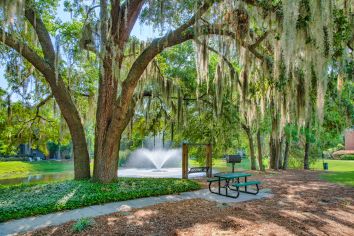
(306, 157)
(307, 146)
(274, 152)
(280, 160)
(106, 159)
(251, 146)
(73, 120)
(286, 154)
(107, 141)
(259, 145)
(60, 92)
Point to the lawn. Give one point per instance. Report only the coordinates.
(339, 171)
(18, 169)
(33, 199)
(222, 166)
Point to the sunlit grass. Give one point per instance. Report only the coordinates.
(18, 169)
(335, 165)
(339, 171)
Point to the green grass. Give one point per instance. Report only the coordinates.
(345, 178)
(18, 169)
(335, 165)
(33, 199)
(339, 171)
(83, 224)
(222, 166)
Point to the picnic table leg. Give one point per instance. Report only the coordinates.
(226, 186)
(245, 182)
(219, 184)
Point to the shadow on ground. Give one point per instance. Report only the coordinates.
(303, 204)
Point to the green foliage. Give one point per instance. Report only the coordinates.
(343, 32)
(123, 156)
(296, 157)
(347, 157)
(83, 224)
(13, 159)
(27, 200)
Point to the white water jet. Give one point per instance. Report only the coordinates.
(155, 158)
(155, 154)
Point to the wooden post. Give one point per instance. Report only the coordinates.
(209, 160)
(184, 161)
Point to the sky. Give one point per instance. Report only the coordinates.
(142, 32)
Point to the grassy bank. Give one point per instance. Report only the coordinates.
(18, 169)
(339, 171)
(27, 200)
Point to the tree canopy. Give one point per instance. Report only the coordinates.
(266, 67)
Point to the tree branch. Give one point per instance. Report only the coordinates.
(42, 33)
(42, 103)
(259, 40)
(24, 50)
(123, 19)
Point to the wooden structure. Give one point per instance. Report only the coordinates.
(349, 139)
(208, 166)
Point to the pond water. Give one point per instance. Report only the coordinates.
(40, 178)
(122, 172)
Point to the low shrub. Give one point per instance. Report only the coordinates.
(347, 157)
(83, 224)
(340, 146)
(13, 159)
(33, 199)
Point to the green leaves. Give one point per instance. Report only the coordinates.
(23, 200)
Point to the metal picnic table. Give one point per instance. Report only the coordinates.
(227, 177)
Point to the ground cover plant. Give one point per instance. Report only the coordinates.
(302, 204)
(27, 200)
(83, 224)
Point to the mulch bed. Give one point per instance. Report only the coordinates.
(302, 205)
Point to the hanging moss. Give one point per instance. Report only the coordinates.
(12, 10)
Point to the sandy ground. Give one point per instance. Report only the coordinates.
(302, 205)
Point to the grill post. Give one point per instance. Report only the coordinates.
(184, 161)
(209, 160)
(233, 159)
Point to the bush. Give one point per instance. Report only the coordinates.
(340, 146)
(82, 224)
(13, 158)
(123, 156)
(347, 157)
(33, 199)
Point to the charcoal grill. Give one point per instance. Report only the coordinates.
(233, 159)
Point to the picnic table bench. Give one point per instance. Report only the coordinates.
(234, 185)
(198, 169)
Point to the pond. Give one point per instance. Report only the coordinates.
(122, 172)
(40, 178)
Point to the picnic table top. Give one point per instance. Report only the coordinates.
(231, 175)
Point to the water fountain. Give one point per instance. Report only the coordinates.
(158, 159)
(154, 159)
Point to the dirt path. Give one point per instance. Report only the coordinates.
(302, 205)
